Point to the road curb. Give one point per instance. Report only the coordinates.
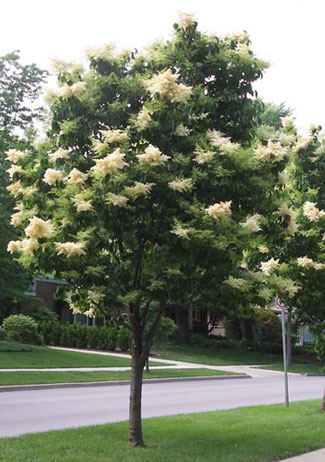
(315, 374)
(116, 383)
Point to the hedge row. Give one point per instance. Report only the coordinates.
(81, 336)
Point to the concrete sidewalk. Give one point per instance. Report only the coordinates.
(315, 456)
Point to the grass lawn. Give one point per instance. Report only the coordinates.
(26, 378)
(299, 368)
(228, 357)
(252, 434)
(44, 357)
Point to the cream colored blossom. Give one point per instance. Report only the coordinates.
(113, 136)
(14, 156)
(14, 246)
(287, 122)
(314, 128)
(186, 20)
(98, 147)
(143, 119)
(305, 262)
(29, 191)
(284, 211)
(312, 212)
(28, 246)
(292, 227)
(116, 199)
(319, 266)
(90, 313)
(286, 140)
(109, 164)
(104, 52)
(165, 84)
(50, 95)
(268, 266)
(283, 177)
(63, 67)
(235, 283)
(152, 156)
(38, 228)
(65, 92)
(76, 177)
(303, 143)
(15, 188)
(263, 248)
(242, 49)
(70, 248)
(219, 210)
(82, 205)
(181, 184)
(181, 232)
(241, 37)
(16, 219)
(74, 309)
(52, 176)
(14, 169)
(78, 88)
(203, 156)
(273, 152)
(139, 189)
(181, 130)
(223, 143)
(59, 154)
(252, 223)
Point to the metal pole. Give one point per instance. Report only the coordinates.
(284, 357)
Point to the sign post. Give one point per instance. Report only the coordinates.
(281, 305)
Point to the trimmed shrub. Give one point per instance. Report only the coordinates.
(92, 337)
(123, 339)
(80, 335)
(3, 335)
(22, 329)
(67, 338)
(111, 338)
(14, 347)
(42, 314)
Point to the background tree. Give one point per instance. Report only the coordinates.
(136, 197)
(20, 86)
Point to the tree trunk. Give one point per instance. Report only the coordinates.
(181, 315)
(135, 424)
(322, 408)
(289, 340)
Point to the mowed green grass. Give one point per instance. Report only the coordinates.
(44, 357)
(33, 378)
(228, 357)
(252, 434)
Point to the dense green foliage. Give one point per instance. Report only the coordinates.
(20, 86)
(22, 329)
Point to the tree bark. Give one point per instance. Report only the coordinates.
(135, 423)
(322, 408)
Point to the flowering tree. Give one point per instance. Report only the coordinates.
(147, 188)
(18, 84)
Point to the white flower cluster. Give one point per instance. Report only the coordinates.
(235, 283)
(284, 211)
(303, 143)
(59, 154)
(116, 199)
(181, 232)
(287, 122)
(152, 156)
(110, 164)
(306, 262)
(219, 210)
(113, 136)
(14, 169)
(52, 176)
(181, 130)
(312, 212)
(81, 204)
(26, 246)
(252, 223)
(70, 248)
(104, 52)
(14, 155)
(272, 152)
(223, 143)
(181, 184)
(143, 119)
(138, 189)
(186, 20)
(165, 84)
(15, 188)
(268, 266)
(65, 91)
(201, 156)
(76, 177)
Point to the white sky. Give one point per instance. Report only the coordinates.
(289, 34)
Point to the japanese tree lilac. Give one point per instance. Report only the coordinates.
(38, 228)
(219, 210)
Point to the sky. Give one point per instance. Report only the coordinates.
(289, 34)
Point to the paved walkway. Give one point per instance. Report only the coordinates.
(315, 456)
(251, 370)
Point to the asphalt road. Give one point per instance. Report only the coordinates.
(42, 410)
